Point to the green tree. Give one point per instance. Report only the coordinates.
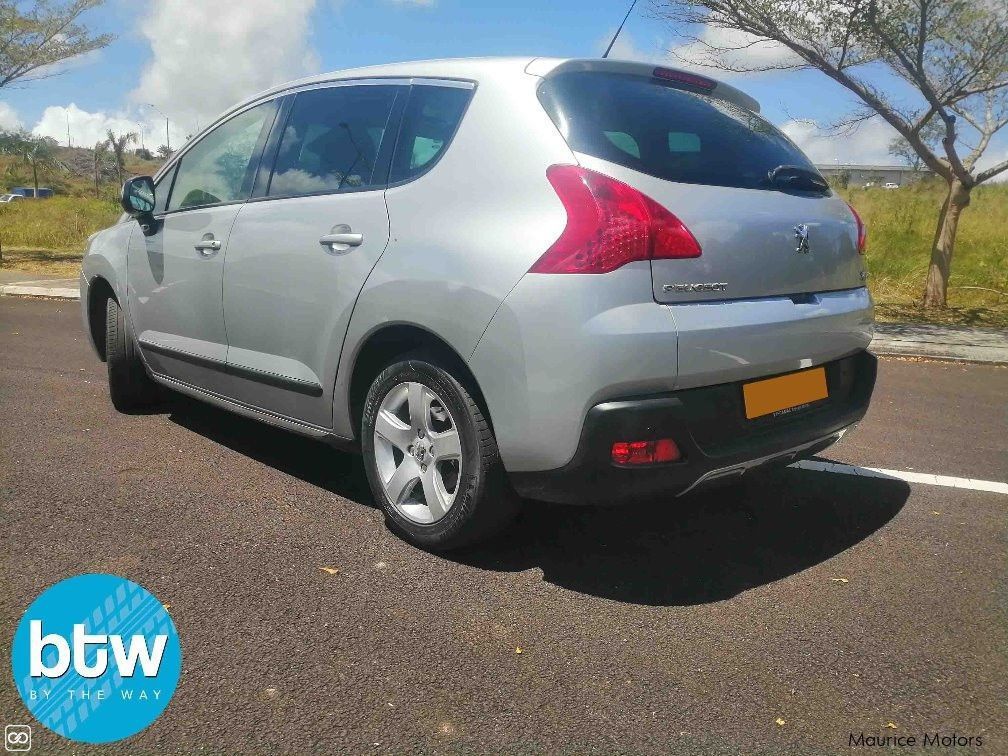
(45, 33)
(119, 146)
(101, 163)
(941, 60)
(8, 139)
(38, 154)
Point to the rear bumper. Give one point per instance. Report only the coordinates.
(709, 425)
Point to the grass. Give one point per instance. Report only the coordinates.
(901, 226)
(61, 223)
(48, 236)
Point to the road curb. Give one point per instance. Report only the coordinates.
(973, 355)
(48, 292)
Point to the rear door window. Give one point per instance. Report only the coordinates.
(665, 131)
(332, 141)
(431, 118)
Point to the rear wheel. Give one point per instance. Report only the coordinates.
(130, 388)
(431, 458)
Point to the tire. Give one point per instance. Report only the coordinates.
(130, 388)
(482, 500)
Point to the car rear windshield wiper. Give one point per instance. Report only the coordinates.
(797, 178)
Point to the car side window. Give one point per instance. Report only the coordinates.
(429, 122)
(220, 168)
(332, 140)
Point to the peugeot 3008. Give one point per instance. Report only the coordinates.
(565, 280)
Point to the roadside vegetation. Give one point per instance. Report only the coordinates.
(900, 233)
(48, 236)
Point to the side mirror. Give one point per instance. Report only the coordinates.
(137, 198)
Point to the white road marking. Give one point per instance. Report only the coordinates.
(910, 477)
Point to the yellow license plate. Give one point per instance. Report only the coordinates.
(785, 392)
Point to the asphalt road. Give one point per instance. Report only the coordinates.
(690, 626)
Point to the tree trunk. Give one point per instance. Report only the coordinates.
(944, 243)
(35, 178)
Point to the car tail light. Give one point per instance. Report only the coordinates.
(609, 224)
(645, 452)
(862, 232)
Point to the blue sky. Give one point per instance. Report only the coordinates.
(193, 58)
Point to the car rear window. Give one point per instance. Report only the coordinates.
(665, 131)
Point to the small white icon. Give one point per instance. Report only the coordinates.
(17, 738)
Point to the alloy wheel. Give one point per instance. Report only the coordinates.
(418, 452)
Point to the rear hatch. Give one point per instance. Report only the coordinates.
(766, 221)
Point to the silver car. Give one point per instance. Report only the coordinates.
(562, 280)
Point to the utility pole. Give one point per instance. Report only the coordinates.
(166, 134)
(68, 128)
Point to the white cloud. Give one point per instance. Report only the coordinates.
(8, 117)
(209, 55)
(866, 144)
(697, 54)
(627, 48)
(738, 51)
(87, 128)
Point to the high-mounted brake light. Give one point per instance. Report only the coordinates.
(862, 232)
(610, 224)
(681, 77)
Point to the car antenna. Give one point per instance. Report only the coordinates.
(613, 42)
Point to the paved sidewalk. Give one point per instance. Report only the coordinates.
(19, 283)
(901, 339)
(941, 342)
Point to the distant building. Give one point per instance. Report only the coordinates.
(859, 175)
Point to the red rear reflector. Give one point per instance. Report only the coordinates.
(645, 452)
(681, 77)
(609, 224)
(862, 232)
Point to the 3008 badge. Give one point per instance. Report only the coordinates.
(96, 658)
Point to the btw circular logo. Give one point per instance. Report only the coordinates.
(96, 658)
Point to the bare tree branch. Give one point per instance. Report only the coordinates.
(992, 172)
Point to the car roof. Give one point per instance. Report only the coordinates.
(480, 69)
(468, 69)
(473, 69)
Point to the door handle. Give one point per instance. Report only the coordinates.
(340, 239)
(207, 244)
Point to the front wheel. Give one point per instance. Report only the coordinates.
(130, 388)
(431, 458)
